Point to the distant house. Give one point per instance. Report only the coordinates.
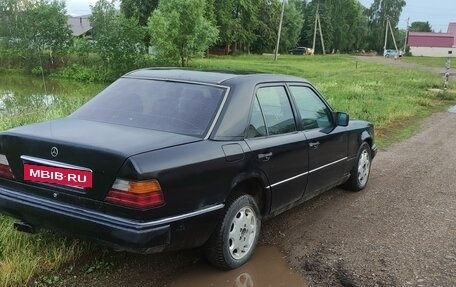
(80, 26)
(452, 30)
(433, 44)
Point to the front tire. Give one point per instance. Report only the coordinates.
(235, 238)
(359, 175)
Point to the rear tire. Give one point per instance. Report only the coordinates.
(235, 238)
(359, 175)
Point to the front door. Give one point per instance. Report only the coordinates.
(328, 144)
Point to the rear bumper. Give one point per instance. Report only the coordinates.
(181, 231)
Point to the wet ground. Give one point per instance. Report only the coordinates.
(266, 268)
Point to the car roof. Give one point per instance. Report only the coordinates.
(209, 77)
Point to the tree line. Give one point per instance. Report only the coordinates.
(179, 30)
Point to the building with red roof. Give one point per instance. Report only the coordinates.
(433, 44)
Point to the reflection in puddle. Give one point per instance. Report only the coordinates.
(266, 268)
(452, 109)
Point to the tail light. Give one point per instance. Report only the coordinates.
(5, 170)
(136, 194)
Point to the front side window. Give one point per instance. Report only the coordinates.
(174, 107)
(314, 113)
(276, 109)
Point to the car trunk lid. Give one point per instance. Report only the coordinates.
(97, 147)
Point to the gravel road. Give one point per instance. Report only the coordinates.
(399, 231)
(404, 64)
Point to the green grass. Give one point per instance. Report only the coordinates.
(393, 98)
(23, 256)
(435, 62)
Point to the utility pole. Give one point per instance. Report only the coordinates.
(315, 28)
(392, 34)
(280, 31)
(321, 35)
(386, 34)
(317, 21)
(390, 28)
(406, 34)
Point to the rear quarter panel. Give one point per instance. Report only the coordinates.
(192, 176)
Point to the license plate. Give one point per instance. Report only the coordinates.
(58, 175)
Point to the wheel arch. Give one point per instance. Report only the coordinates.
(366, 137)
(253, 184)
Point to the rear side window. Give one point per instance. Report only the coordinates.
(257, 127)
(159, 105)
(276, 109)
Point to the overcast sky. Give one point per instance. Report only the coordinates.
(438, 12)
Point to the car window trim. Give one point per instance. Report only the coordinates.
(290, 100)
(262, 114)
(219, 112)
(272, 136)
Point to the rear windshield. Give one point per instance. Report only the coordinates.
(159, 105)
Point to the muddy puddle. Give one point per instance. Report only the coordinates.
(267, 267)
(452, 109)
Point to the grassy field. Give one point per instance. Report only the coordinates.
(434, 62)
(24, 255)
(394, 99)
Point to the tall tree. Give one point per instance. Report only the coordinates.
(267, 27)
(343, 22)
(32, 27)
(326, 15)
(292, 25)
(238, 20)
(138, 9)
(180, 30)
(117, 38)
(420, 26)
(305, 34)
(379, 12)
(349, 34)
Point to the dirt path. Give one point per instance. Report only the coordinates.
(404, 64)
(400, 231)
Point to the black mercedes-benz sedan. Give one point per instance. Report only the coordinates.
(167, 159)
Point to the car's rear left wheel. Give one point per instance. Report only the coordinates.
(235, 238)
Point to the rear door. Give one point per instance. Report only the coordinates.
(328, 144)
(279, 150)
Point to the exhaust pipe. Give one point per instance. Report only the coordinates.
(23, 227)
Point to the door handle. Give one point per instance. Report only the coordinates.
(265, 156)
(314, 145)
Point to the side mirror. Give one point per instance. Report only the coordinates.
(342, 119)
